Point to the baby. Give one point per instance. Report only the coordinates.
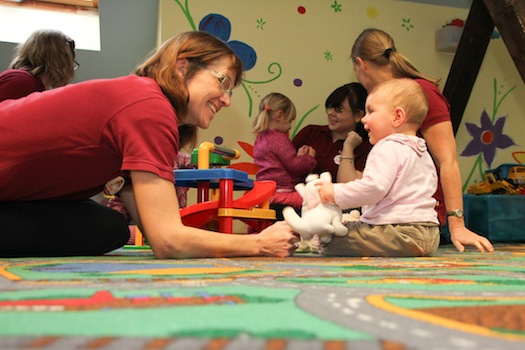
(399, 181)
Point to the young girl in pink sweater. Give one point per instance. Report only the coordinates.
(275, 154)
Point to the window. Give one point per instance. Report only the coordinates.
(80, 3)
(79, 19)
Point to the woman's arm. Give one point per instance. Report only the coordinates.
(442, 146)
(346, 170)
(157, 213)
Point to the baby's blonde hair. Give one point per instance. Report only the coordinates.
(407, 94)
(270, 104)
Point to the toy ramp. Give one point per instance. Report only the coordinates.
(260, 193)
(200, 214)
(252, 208)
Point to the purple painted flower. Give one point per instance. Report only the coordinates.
(487, 138)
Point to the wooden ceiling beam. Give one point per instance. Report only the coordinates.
(467, 60)
(509, 18)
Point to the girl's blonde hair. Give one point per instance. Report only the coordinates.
(270, 104)
(200, 49)
(377, 46)
(49, 55)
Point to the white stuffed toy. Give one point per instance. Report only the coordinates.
(321, 219)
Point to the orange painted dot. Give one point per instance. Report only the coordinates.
(487, 137)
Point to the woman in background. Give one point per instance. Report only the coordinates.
(344, 139)
(375, 60)
(46, 60)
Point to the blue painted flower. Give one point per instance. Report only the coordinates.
(487, 138)
(220, 26)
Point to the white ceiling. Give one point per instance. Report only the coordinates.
(450, 3)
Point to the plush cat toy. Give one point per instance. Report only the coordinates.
(321, 219)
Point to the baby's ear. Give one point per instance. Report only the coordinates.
(400, 117)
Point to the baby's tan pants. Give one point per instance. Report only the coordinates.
(392, 240)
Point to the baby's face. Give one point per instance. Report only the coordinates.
(379, 116)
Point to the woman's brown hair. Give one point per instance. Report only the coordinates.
(49, 55)
(200, 49)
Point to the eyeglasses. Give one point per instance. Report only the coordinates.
(338, 110)
(224, 81)
(71, 44)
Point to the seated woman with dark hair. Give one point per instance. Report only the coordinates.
(343, 140)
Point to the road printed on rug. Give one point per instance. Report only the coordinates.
(376, 302)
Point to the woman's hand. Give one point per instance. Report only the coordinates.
(442, 145)
(156, 202)
(352, 141)
(346, 171)
(461, 236)
(277, 240)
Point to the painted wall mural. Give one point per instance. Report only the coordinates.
(488, 137)
(301, 48)
(221, 27)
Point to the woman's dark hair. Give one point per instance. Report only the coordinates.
(354, 92)
(356, 95)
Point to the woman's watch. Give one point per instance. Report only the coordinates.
(457, 213)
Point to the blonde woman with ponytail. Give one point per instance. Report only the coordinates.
(376, 59)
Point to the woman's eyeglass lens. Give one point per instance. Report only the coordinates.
(337, 110)
(224, 82)
(71, 44)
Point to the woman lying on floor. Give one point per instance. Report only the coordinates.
(60, 147)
